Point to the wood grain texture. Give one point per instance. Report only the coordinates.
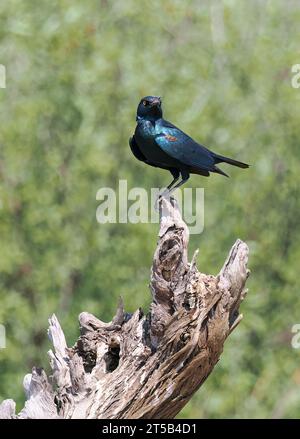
(144, 366)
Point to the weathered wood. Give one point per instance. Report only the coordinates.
(144, 366)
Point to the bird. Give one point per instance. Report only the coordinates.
(161, 144)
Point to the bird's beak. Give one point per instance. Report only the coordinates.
(156, 102)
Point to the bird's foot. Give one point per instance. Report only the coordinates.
(159, 199)
(164, 194)
(157, 203)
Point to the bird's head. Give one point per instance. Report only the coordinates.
(150, 108)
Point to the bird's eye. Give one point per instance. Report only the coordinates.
(145, 103)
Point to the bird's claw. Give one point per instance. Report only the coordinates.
(159, 199)
(163, 194)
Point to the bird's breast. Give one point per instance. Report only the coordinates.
(145, 129)
(144, 136)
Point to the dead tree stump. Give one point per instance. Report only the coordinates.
(143, 366)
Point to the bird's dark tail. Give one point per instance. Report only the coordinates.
(220, 159)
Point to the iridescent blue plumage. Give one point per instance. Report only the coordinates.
(161, 144)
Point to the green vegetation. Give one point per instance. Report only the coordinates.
(75, 73)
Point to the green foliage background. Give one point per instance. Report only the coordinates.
(75, 73)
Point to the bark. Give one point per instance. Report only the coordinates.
(144, 366)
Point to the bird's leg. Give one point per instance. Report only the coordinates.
(185, 176)
(171, 184)
(176, 174)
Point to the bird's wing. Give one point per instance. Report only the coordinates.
(140, 156)
(183, 148)
(136, 150)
